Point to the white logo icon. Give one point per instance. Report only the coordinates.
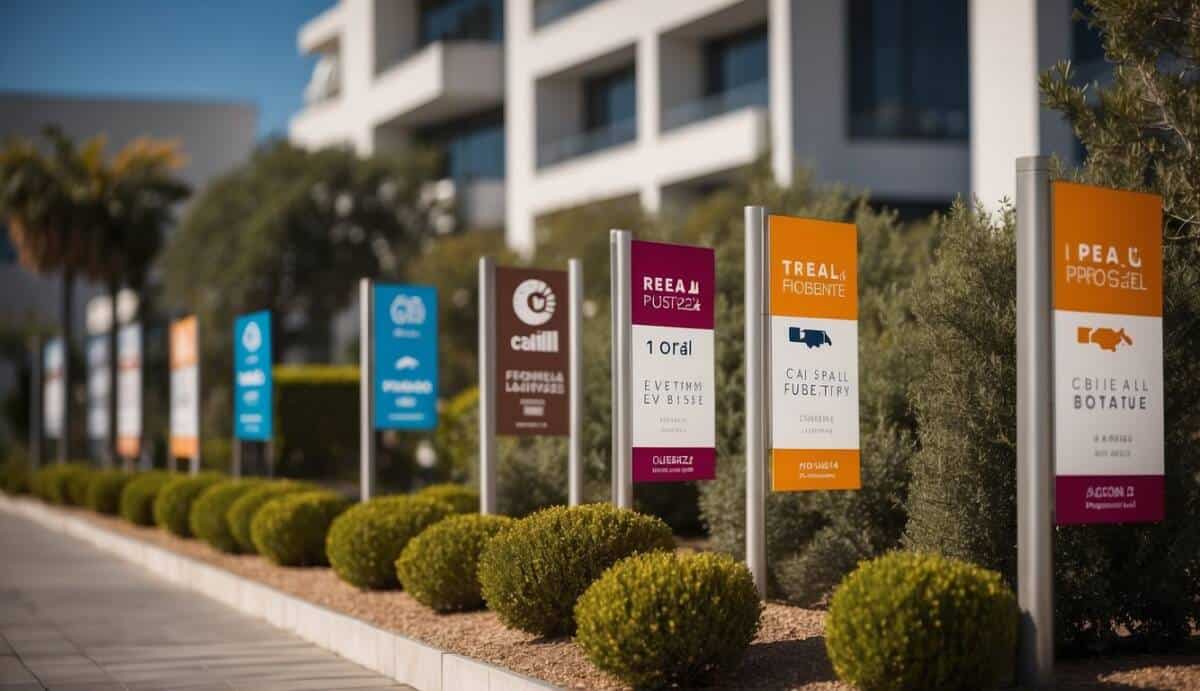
(252, 337)
(407, 310)
(407, 362)
(533, 301)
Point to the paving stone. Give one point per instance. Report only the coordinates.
(12, 671)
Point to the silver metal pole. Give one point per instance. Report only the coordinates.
(613, 291)
(575, 404)
(621, 242)
(366, 383)
(199, 398)
(756, 413)
(1035, 392)
(237, 457)
(35, 404)
(487, 385)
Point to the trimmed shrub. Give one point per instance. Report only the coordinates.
(910, 620)
(664, 618)
(39, 482)
(532, 574)
(78, 478)
(137, 498)
(364, 543)
(54, 483)
(462, 498)
(173, 504)
(241, 512)
(207, 517)
(104, 491)
(15, 476)
(439, 566)
(290, 530)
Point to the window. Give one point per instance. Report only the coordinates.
(459, 20)
(735, 61)
(908, 68)
(610, 99)
(472, 147)
(548, 11)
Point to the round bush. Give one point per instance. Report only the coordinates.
(16, 475)
(462, 498)
(290, 529)
(55, 483)
(439, 566)
(137, 499)
(910, 620)
(241, 512)
(207, 517)
(533, 573)
(364, 543)
(78, 479)
(664, 618)
(174, 502)
(40, 481)
(104, 491)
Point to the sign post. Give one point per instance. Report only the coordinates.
(575, 450)
(35, 402)
(487, 391)
(367, 444)
(185, 392)
(129, 393)
(253, 385)
(756, 399)
(98, 391)
(620, 242)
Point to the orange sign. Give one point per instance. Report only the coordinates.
(185, 389)
(813, 375)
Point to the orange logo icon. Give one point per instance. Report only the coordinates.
(1107, 339)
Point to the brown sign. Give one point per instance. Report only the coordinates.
(532, 355)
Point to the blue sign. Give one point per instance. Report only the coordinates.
(406, 357)
(252, 382)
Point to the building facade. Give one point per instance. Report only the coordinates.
(916, 101)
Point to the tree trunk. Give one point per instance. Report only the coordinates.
(111, 441)
(68, 330)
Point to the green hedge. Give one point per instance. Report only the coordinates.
(533, 573)
(173, 505)
(908, 621)
(439, 567)
(59, 483)
(137, 498)
(663, 618)
(207, 518)
(364, 543)
(241, 513)
(462, 498)
(316, 420)
(15, 475)
(290, 530)
(78, 480)
(104, 491)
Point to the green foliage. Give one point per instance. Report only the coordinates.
(78, 478)
(104, 491)
(316, 420)
(58, 483)
(137, 498)
(15, 475)
(661, 619)
(438, 567)
(364, 543)
(532, 574)
(290, 530)
(462, 498)
(207, 518)
(174, 502)
(909, 621)
(241, 512)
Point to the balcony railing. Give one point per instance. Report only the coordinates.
(744, 96)
(575, 145)
(547, 11)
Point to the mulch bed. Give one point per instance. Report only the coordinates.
(789, 652)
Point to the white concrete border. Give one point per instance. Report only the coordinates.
(398, 657)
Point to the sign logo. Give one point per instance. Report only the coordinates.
(407, 362)
(1107, 339)
(813, 338)
(407, 310)
(252, 337)
(533, 301)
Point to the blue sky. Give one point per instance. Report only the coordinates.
(190, 49)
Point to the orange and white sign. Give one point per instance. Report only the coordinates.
(813, 375)
(185, 389)
(1108, 341)
(129, 390)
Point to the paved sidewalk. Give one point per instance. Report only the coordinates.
(74, 618)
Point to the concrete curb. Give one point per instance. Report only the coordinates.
(406, 660)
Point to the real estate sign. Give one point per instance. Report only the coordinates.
(672, 361)
(53, 388)
(98, 389)
(813, 374)
(253, 380)
(406, 356)
(185, 389)
(1108, 367)
(129, 390)
(532, 352)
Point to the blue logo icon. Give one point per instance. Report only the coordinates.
(813, 338)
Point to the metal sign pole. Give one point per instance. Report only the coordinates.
(35, 403)
(366, 384)
(237, 457)
(487, 385)
(622, 371)
(576, 402)
(199, 397)
(1035, 395)
(756, 272)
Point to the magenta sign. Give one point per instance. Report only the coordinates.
(674, 379)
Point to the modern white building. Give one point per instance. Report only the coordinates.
(916, 101)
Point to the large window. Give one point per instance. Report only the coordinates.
(472, 147)
(908, 68)
(610, 99)
(548, 11)
(733, 62)
(458, 20)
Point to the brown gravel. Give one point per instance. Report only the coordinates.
(789, 652)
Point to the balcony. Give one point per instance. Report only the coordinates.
(321, 124)
(443, 80)
(584, 143)
(549, 11)
(714, 144)
(745, 96)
